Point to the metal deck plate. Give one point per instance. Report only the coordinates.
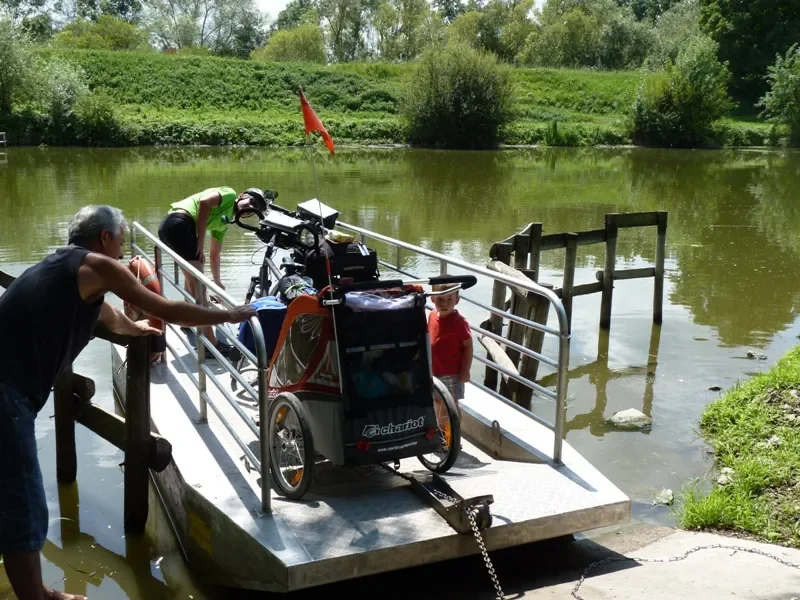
(354, 521)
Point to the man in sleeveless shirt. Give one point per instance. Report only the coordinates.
(210, 211)
(47, 316)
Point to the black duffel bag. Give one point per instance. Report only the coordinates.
(351, 260)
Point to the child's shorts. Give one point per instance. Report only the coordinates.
(453, 385)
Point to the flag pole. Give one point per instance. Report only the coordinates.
(322, 226)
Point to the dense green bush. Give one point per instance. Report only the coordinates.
(458, 97)
(782, 102)
(678, 106)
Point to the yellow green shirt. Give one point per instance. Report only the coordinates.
(220, 216)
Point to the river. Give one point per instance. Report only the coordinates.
(732, 286)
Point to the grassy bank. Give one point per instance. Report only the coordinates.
(205, 100)
(755, 431)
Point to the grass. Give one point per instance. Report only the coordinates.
(754, 429)
(163, 99)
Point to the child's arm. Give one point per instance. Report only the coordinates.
(466, 364)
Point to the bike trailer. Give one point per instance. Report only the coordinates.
(271, 313)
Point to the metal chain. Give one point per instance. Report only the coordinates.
(675, 559)
(473, 524)
(486, 559)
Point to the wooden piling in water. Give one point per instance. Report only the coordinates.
(137, 434)
(608, 271)
(658, 287)
(64, 409)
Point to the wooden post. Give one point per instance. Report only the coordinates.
(503, 254)
(137, 434)
(495, 326)
(64, 408)
(658, 285)
(534, 340)
(570, 259)
(519, 307)
(608, 272)
(535, 250)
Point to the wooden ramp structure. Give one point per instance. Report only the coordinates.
(519, 257)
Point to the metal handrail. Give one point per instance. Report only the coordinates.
(562, 332)
(263, 461)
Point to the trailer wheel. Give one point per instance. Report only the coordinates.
(448, 429)
(291, 446)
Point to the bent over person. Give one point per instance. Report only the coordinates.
(185, 226)
(47, 316)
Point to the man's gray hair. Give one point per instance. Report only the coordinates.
(89, 222)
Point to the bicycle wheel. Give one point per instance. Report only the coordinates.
(291, 446)
(448, 428)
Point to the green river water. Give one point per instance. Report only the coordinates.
(732, 285)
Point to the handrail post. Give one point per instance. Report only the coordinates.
(199, 296)
(159, 266)
(263, 416)
(137, 434)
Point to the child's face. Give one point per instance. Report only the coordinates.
(446, 303)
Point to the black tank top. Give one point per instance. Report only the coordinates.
(44, 324)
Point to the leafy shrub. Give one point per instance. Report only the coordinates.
(678, 106)
(97, 119)
(303, 43)
(458, 97)
(782, 102)
(17, 66)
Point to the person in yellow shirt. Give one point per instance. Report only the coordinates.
(185, 226)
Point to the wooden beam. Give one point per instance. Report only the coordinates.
(555, 241)
(499, 356)
(629, 274)
(587, 288)
(638, 219)
(568, 286)
(111, 428)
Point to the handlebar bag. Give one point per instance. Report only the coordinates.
(348, 259)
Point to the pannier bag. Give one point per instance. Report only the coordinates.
(348, 259)
(271, 313)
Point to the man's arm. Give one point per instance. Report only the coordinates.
(203, 210)
(118, 322)
(216, 251)
(99, 274)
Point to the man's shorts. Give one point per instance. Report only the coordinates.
(453, 385)
(179, 231)
(23, 504)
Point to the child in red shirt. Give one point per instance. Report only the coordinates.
(451, 342)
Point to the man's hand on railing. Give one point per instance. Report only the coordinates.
(241, 313)
(143, 327)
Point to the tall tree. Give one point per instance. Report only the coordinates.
(750, 33)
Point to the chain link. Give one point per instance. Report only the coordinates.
(472, 522)
(683, 556)
(486, 559)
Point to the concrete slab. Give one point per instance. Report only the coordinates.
(707, 573)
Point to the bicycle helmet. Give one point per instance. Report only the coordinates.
(258, 198)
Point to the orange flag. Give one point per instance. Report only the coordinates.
(313, 123)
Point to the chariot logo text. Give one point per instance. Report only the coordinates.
(371, 431)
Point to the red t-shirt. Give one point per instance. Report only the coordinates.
(447, 342)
